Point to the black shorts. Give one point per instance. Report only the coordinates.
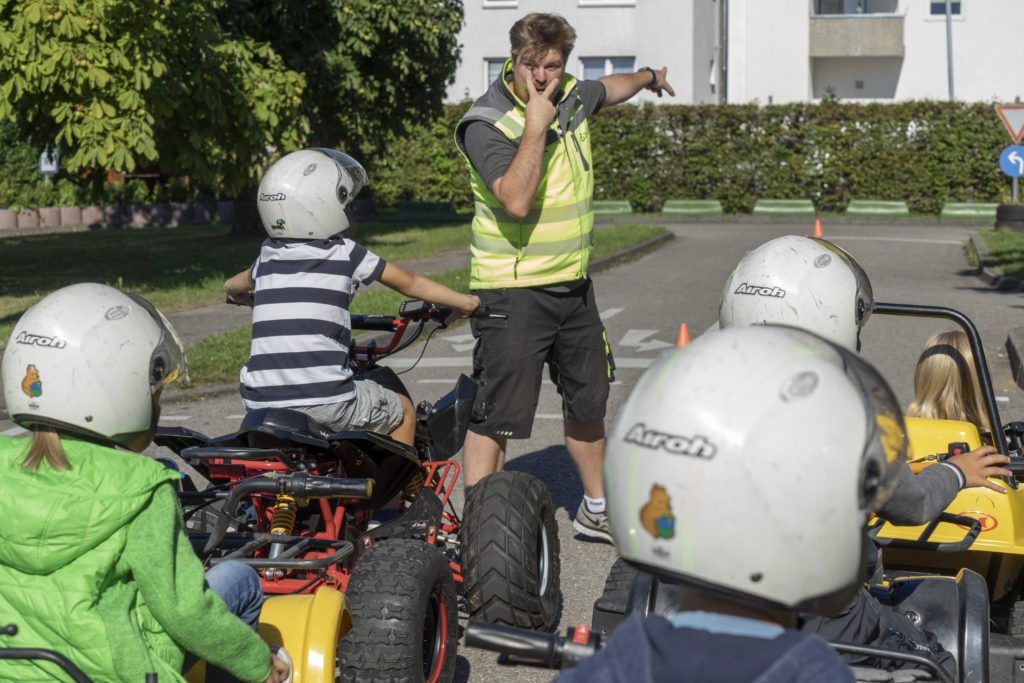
(562, 329)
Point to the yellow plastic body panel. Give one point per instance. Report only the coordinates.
(932, 437)
(998, 552)
(309, 626)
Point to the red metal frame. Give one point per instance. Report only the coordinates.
(443, 475)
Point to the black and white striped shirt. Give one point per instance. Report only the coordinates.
(301, 328)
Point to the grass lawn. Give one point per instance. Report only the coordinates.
(1007, 251)
(217, 359)
(174, 268)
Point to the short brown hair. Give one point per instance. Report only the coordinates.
(538, 32)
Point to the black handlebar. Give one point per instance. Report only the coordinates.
(922, 543)
(73, 672)
(521, 646)
(297, 484)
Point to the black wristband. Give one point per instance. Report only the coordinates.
(654, 76)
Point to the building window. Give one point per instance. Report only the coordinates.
(500, 4)
(595, 67)
(855, 7)
(939, 7)
(492, 70)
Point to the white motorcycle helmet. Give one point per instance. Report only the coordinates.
(747, 464)
(91, 360)
(800, 281)
(305, 194)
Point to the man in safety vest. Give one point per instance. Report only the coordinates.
(527, 143)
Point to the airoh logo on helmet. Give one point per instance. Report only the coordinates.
(758, 290)
(696, 446)
(40, 340)
(277, 197)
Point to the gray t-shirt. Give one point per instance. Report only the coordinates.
(491, 152)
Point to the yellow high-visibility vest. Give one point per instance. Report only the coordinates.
(553, 242)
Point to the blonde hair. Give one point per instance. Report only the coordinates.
(945, 382)
(538, 32)
(45, 445)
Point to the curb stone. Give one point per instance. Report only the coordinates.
(987, 271)
(604, 263)
(989, 275)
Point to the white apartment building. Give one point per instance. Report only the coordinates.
(773, 51)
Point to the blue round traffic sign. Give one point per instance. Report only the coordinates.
(1011, 161)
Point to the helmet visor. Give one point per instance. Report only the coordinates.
(885, 448)
(167, 363)
(351, 175)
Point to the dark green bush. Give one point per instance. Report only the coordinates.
(925, 153)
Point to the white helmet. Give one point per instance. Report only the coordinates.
(92, 360)
(801, 281)
(305, 194)
(747, 463)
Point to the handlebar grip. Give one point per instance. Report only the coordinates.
(519, 643)
(302, 485)
(385, 323)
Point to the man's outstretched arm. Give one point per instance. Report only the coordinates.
(621, 87)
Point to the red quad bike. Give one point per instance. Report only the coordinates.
(297, 502)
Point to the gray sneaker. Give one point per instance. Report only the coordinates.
(592, 524)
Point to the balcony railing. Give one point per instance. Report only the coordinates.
(871, 35)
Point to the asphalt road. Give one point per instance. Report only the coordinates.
(642, 303)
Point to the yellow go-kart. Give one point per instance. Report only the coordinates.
(987, 533)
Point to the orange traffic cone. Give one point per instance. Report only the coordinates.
(684, 336)
(817, 228)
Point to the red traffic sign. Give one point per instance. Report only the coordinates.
(1012, 116)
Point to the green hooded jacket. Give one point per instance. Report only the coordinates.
(95, 564)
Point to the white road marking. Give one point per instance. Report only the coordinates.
(1003, 399)
(234, 417)
(467, 362)
(461, 342)
(14, 431)
(610, 313)
(637, 338)
(175, 418)
(452, 381)
(548, 416)
(910, 240)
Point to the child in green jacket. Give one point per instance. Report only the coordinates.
(94, 560)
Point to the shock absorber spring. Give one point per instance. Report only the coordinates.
(282, 522)
(413, 488)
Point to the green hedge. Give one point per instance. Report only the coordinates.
(923, 153)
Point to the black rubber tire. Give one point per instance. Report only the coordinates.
(1010, 217)
(610, 607)
(510, 549)
(616, 587)
(404, 617)
(1015, 619)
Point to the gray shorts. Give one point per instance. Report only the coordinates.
(373, 409)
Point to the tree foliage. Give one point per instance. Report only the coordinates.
(129, 83)
(372, 68)
(213, 89)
